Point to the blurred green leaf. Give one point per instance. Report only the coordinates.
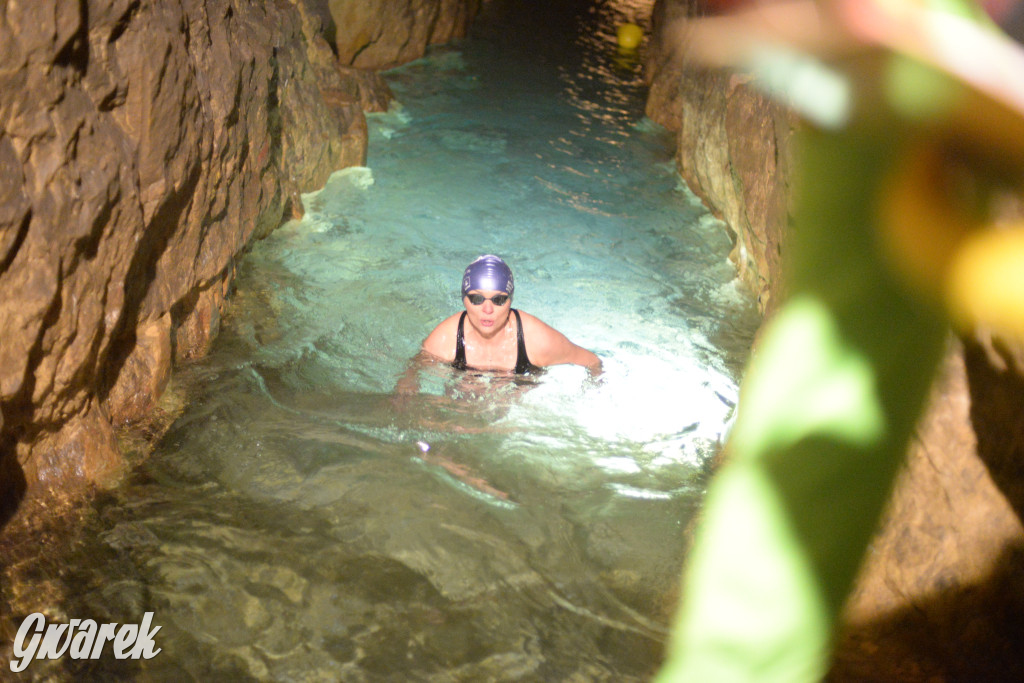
(827, 410)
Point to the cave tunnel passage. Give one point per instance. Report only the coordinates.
(301, 519)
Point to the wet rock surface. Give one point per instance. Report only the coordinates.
(732, 148)
(146, 146)
(378, 34)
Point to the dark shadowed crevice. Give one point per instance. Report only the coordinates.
(966, 632)
(273, 162)
(124, 21)
(19, 408)
(75, 53)
(361, 50)
(18, 425)
(142, 274)
(179, 313)
(12, 478)
(88, 246)
(19, 239)
(996, 397)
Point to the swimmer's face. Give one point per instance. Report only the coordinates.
(487, 317)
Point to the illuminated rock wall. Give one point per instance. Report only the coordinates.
(142, 147)
(378, 34)
(732, 149)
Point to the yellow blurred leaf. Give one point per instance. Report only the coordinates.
(985, 284)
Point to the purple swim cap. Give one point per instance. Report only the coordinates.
(490, 273)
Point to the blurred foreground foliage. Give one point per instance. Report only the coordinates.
(913, 130)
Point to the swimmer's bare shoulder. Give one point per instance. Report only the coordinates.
(547, 346)
(441, 342)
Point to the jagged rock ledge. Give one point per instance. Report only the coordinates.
(143, 146)
(732, 147)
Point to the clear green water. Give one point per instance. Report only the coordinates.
(300, 522)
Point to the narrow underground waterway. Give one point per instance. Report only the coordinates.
(301, 521)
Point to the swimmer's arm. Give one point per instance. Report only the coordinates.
(440, 343)
(409, 382)
(577, 355)
(432, 349)
(554, 348)
(588, 359)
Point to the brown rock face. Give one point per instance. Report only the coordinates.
(940, 596)
(732, 150)
(142, 147)
(377, 34)
(144, 374)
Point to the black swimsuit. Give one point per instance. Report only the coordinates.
(523, 364)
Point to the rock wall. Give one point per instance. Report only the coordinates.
(378, 34)
(142, 147)
(732, 149)
(939, 597)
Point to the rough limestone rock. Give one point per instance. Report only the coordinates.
(378, 34)
(732, 149)
(145, 372)
(939, 597)
(142, 147)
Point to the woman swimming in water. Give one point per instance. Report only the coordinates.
(499, 337)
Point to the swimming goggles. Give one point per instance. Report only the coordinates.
(478, 299)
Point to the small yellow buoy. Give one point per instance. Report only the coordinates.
(629, 36)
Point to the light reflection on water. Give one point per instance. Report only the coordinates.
(302, 521)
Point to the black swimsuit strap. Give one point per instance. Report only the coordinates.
(460, 346)
(523, 364)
